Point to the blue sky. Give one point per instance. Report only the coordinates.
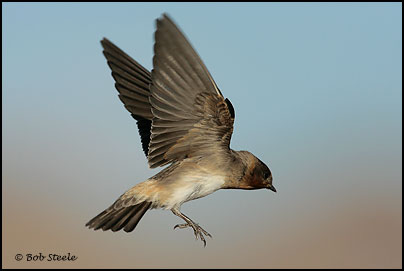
(317, 90)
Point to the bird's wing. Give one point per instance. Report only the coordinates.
(132, 81)
(191, 116)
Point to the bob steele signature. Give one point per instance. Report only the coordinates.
(49, 257)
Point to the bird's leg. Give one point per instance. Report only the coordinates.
(198, 231)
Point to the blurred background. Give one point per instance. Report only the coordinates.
(317, 89)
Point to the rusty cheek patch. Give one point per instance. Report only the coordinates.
(251, 180)
(256, 181)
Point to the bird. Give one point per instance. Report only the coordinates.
(184, 122)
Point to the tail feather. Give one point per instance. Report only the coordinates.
(115, 219)
(131, 225)
(124, 220)
(118, 216)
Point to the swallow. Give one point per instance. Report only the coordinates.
(185, 122)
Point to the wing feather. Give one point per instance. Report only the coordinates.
(179, 109)
(132, 81)
(191, 117)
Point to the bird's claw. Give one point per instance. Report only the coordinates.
(198, 231)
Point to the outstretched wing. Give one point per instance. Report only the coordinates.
(190, 115)
(132, 81)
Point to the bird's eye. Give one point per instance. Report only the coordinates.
(266, 175)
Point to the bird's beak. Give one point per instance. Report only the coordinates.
(271, 187)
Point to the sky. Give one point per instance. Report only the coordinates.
(317, 92)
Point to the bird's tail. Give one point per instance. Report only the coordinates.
(115, 219)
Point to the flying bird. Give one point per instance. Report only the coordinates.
(184, 121)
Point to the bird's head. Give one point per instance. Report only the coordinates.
(257, 174)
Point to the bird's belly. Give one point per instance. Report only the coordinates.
(193, 187)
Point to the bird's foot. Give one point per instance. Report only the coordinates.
(198, 230)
